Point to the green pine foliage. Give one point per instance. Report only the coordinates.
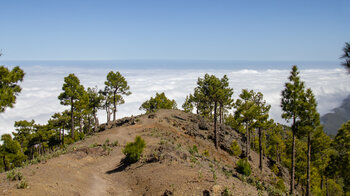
(73, 91)
(116, 87)
(243, 167)
(292, 106)
(187, 106)
(10, 153)
(160, 101)
(235, 149)
(342, 158)
(95, 103)
(9, 87)
(346, 56)
(133, 150)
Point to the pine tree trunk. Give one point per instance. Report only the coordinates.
(80, 124)
(63, 136)
(293, 163)
(308, 163)
(107, 112)
(260, 150)
(96, 122)
(321, 183)
(253, 139)
(327, 190)
(277, 156)
(89, 124)
(220, 114)
(60, 134)
(4, 162)
(247, 142)
(115, 107)
(215, 127)
(72, 118)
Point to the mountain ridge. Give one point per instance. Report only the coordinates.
(332, 121)
(179, 159)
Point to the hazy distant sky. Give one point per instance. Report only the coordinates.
(177, 29)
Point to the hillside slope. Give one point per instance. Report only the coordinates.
(333, 121)
(167, 167)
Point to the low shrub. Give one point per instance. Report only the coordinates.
(280, 184)
(243, 167)
(22, 185)
(193, 150)
(107, 142)
(93, 145)
(205, 153)
(235, 150)
(13, 175)
(133, 150)
(226, 192)
(275, 169)
(115, 143)
(272, 191)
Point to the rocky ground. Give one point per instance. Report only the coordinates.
(169, 165)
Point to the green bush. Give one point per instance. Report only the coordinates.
(235, 149)
(133, 150)
(243, 167)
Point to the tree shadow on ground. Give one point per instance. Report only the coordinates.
(121, 167)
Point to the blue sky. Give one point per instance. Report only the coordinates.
(188, 29)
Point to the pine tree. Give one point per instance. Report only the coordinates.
(321, 152)
(72, 91)
(107, 101)
(23, 130)
(82, 108)
(226, 101)
(342, 145)
(95, 103)
(276, 145)
(245, 114)
(261, 117)
(346, 56)
(203, 104)
(10, 152)
(212, 88)
(187, 106)
(9, 87)
(292, 102)
(160, 101)
(60, 122)
(310, 121)
(118, 86)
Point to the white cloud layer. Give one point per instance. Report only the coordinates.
(42, 85)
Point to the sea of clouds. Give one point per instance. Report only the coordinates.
(42, 85)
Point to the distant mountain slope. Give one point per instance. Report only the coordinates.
(333, 121)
